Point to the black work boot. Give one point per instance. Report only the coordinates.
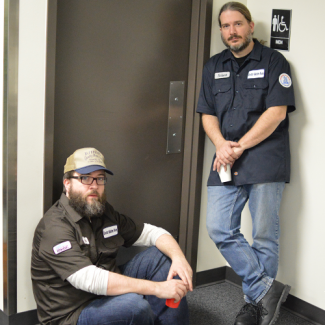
(247, 315)
(269, 306)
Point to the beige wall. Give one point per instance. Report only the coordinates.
(31, 104)
(302, 213)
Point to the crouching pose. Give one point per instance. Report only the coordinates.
(74, 272)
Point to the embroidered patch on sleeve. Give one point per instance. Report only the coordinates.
(285, 80)
(62, 247)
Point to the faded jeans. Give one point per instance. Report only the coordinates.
(256, 264)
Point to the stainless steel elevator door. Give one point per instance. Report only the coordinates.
(114, 63)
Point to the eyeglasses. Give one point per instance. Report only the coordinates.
(88, 180)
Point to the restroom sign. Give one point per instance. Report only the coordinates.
(280, 29)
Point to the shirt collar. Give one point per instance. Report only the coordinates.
(256, 53)
(72, 212)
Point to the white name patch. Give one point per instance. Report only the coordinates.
(86, 241)
(110, 231)
(62, 247)
(256, 74)
(220, 75)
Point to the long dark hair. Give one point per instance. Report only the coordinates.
(235, 6)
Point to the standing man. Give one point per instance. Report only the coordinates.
(74, 272)
(245, 96)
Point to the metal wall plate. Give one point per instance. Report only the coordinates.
(175, 117)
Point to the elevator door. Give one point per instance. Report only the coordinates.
(115, 60)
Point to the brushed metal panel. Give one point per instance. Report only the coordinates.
(10, 156)
(175, 117)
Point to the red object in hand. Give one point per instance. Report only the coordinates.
(170, 303)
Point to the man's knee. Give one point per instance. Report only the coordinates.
(219, 234)
(216, 233)
(158, 258)
(160, 265)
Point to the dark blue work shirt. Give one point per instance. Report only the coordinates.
(238, 96)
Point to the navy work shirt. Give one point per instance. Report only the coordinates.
(238, 96)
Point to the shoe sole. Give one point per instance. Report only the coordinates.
(282, 299)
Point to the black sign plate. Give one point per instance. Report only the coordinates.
(280, 29)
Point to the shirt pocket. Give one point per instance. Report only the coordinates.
(114, 242)
(109, 248)
(222, 95)
(256, 91)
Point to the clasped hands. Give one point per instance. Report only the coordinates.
(227, 153)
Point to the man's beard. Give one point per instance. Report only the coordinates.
(79, 203)
(240, 47)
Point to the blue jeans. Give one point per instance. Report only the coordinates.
(257, 265)
(133, 308)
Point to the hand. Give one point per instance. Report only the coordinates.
(181, 268)
(225, 154)
(173, 289)
(239, 151)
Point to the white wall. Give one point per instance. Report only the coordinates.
(302, 213)
(31, 107)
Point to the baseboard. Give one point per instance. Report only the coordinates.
(293, 304)
(26, 318)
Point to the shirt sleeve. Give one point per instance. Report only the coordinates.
(206, 98)
(280, 83)
(149, 235)
(59, 248)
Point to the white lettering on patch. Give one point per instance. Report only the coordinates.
(110, 231)
(62, 247)
(220, 75)
(86, 241)
(256, 74)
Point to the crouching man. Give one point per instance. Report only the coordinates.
(74, 272)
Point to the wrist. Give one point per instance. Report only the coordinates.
(176, 255)
(219, 143)
(243, 145)
(155, 288)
